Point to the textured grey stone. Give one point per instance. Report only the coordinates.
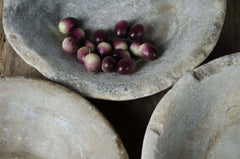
(42, 120)
(199, 118)
(184, 32)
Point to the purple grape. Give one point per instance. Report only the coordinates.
(119, 44)
(119, 54)
(137, 31)
(70, 45)
(108, 64)
(121, 28)
(77, 33)
(82, 52)
(134, 47)
(92, 63)
(125, 66)
(99, 36)
(147, 51)
(104, 49)
(67, 24)
(90, 45)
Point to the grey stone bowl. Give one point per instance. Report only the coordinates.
(43, 120)
(185, 32)
(199, 118)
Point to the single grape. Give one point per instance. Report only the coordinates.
(119, 44)
(77, 33)
(119, 54)
(137, 31)
(121, 28)
(70, 45)
(92, 63)
(90, 45)
(134, 47)
(99, 36)
(82, 52)
(104, 49)
(125, 66)
(67, 24)
(108, 64)
(147, 51)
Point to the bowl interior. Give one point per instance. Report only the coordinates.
(184, 33)
(200, 116)
(41, 120)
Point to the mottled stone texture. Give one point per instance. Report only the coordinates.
(199, 118)
(42, 120)
(184, 32)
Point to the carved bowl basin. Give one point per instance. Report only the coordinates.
(42, 120)
(200, 116)
(184, 32)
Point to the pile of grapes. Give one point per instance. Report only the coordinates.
(108, 57)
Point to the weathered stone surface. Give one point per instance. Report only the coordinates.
(200, 116)
(39, 119)
(184, 32)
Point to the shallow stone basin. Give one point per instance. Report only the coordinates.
(200, 116)
(185, 32)
(42, 120)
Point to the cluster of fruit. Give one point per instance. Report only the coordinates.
(106, 56)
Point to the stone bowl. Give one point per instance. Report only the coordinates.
(39, 119)
(184, 32)
(200, 116)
